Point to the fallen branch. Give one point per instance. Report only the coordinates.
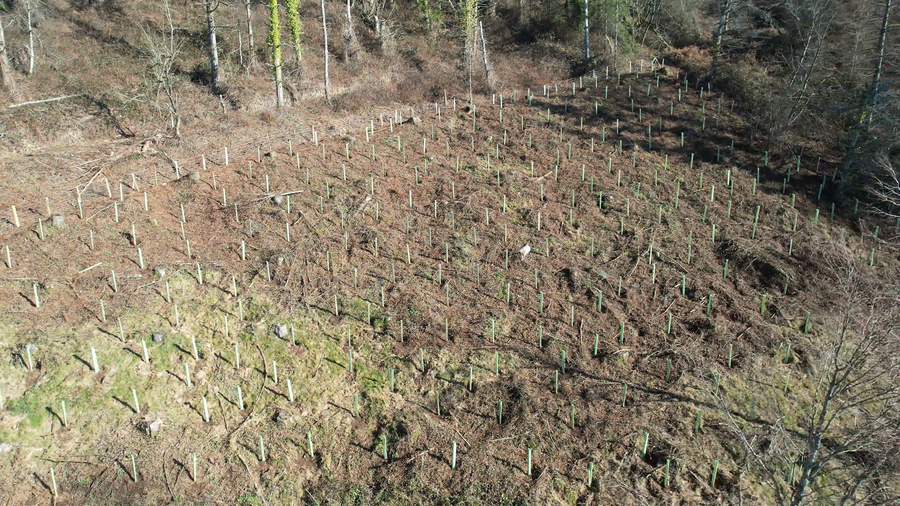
(91, 180)
(267, 196)
(82, 271)
(57, 99)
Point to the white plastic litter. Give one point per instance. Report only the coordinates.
(525, 251)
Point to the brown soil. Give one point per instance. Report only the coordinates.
(456, 226)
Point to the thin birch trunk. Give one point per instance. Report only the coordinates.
(6, 78)
(325, 33)
(30, 38)
(249, 28)
(587, 44)
(720, 30)
(350, 41)
(488, 74)
(213, 48)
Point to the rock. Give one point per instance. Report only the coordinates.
(415, 120)
(281, 417)
(280, 330)
(194, 176)
(159, 271)
(270, 154)
(5, 447)
(365, 203)
(279, 261)
(278, 199)
(150, 427)
(57, 221)
(525, 251)
(157, 337)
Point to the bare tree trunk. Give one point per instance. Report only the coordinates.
(164, 55)
(470, 59)
(488, 74)
(30, 38)
(799, 104)
(809, 466)
(870, 95)
(876, 78)
(240, 48)
(794, 101)
(717, 46)
(806, 47)
(170, 82)
(648, 12)
(325, 33)
(279, 85)
(6, 78)
(587, 44)
(213, 47)
(616, 42)
(350, 41)
(470, 17)
(249, 28)
(851, 411)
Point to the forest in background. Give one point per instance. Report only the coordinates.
(810, 75)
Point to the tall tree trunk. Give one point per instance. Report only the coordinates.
(470, 17)
(30, 38)
(882, 35)
(240, 48)
(799, 104)
(6, 78)
(806, 469)
(325, 33)
(869, 97)
(818, 425)
(350, 42)
(249, 28)
(279, 84)
(717, 44)
(794, 97)
(488, 74)
(587, 44)
(213, 47)
(274, 42)
(616, 41)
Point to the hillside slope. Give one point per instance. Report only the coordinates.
(628, 345)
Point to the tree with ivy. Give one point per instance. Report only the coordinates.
(295, 25)
(274, 42)
(433, 12)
